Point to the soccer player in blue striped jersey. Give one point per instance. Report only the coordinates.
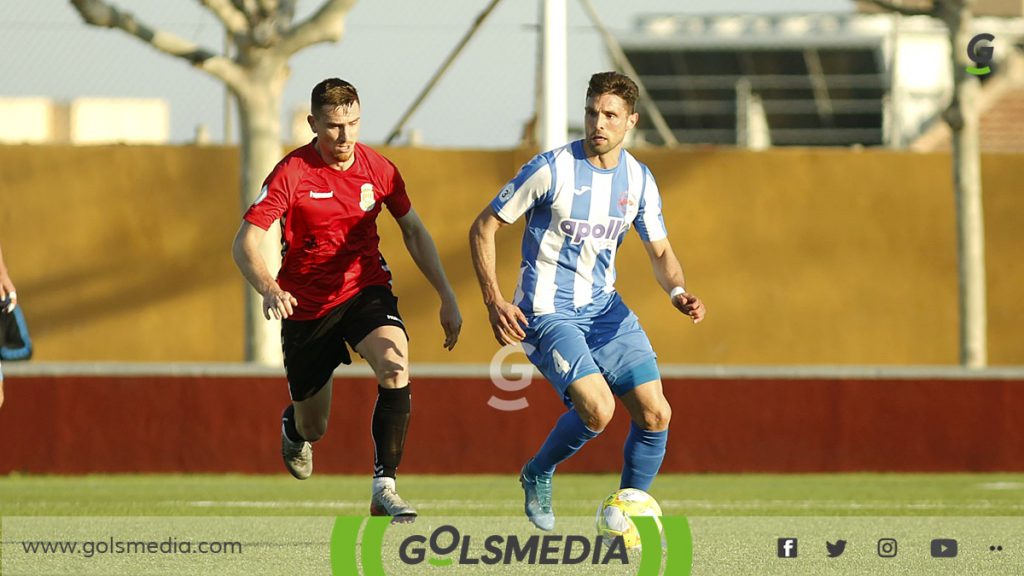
(579, 202)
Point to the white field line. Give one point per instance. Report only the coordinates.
(752, 505)
(841, 505)
(1001, 486)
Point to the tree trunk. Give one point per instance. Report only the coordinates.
(259, 110)
(962, 116)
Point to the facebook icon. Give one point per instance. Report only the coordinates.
(787, 547)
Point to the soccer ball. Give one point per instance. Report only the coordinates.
(613, 515)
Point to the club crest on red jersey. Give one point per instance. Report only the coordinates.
(366, 201)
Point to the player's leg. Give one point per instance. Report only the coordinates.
(385, 346)
(302, 423)
(624, 353)
(592, 408)
(312, 350)
(310, 416)
(644, 449)
(558, 348)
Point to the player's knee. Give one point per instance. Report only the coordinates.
(598, 415)
(392, 374)
(657, 418)
(312, 429)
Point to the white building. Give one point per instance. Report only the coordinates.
(818, 79)
(84, 121)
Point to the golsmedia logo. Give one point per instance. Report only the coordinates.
(580, 230)
(359, 548)
(535, 549)
(981, 54)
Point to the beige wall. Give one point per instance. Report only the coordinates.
(803, 256)
(123, 252)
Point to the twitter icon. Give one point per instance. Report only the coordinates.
(836, 549)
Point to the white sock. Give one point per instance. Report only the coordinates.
(382, 483)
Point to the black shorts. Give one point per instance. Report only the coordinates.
(314, 348)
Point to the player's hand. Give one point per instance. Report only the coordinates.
(690, 305)
(451, 322)
(505, 321)
(278, 303)
(7, 293)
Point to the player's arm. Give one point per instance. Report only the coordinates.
(245, 251)
(505, 317)
(424, 253)
(669, 273)
(7, 292)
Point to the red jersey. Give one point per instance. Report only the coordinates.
(329, 224)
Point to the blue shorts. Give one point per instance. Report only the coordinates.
(601, 338)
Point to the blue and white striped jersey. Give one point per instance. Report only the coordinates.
(577, 215)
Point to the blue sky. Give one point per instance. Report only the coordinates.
(389, 51)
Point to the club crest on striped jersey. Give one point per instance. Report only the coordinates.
(366, 201)
(580, 230)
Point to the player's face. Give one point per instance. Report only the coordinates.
(337, 130)
(607, 119)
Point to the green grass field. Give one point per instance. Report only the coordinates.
(735, 519)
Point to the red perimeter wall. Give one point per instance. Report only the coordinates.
(86, 424)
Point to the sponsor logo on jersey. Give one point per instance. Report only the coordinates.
(507, 192)
(366, 201)
(580, 230)
(321, 195)
(581, 190)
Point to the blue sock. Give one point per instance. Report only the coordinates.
(644, 451)
(565, 439)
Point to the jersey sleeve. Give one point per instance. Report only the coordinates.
(397, 199)
(274, 198)
(531, 184)
(649, 222)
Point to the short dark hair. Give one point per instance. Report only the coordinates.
(333, 92)
(614, 83)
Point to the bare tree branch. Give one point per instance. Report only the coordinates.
(103, 15)
(899, 8)
(949, 10)
(283, 15)
(247, 7)
(228, 14)
(226, 70)
(268, 6)
(326, 25)
(286, 10)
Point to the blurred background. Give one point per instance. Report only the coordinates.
(805, 161)
(834, 243)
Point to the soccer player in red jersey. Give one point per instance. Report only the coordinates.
(335, 287)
